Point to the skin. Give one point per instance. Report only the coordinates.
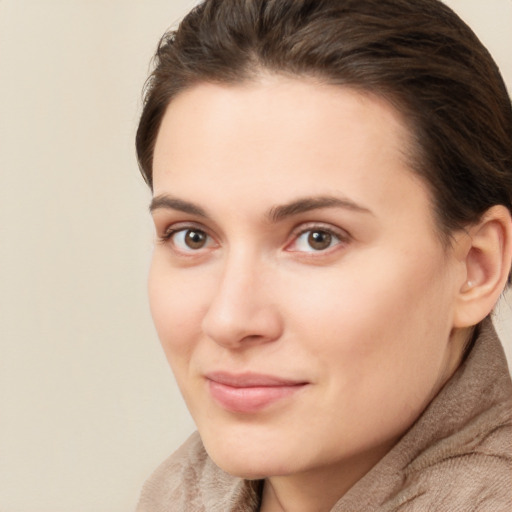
(367, 323)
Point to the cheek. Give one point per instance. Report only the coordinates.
(176, 310)
(378, 318)
(378, 356)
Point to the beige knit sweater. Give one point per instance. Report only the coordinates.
(457, 457)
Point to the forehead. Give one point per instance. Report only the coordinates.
(283, 137)
(297, 107)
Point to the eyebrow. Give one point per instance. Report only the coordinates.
(275, 214)
(278, 213)
(173, 203)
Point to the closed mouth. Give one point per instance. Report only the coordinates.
(250, 392)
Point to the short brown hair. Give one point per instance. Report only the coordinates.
(417, 54)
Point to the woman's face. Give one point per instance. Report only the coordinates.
(299, 287)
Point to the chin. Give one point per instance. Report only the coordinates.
(250, 460)
(252, 469)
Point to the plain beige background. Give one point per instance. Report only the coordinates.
(88, 406)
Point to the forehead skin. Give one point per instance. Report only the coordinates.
(196, 131)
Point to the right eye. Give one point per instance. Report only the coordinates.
(189, 239)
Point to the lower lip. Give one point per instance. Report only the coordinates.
(250, 399)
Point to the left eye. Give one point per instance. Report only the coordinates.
(191, 239)
(315, 240)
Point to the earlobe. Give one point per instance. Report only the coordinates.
(487, 260)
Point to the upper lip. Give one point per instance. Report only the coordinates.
(250, 379)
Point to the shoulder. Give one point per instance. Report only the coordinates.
(189, 481)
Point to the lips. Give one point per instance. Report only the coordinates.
(250, 392)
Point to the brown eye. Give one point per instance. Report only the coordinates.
(315, 240)
(319, 240)
(195, 239)
(190, 239)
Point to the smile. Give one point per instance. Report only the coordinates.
(249, 393)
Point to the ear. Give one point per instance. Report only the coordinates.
(487, 258)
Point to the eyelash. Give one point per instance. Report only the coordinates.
(340, 236)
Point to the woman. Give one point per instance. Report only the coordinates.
(332, 196)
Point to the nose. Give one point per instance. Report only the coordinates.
(243, 310)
